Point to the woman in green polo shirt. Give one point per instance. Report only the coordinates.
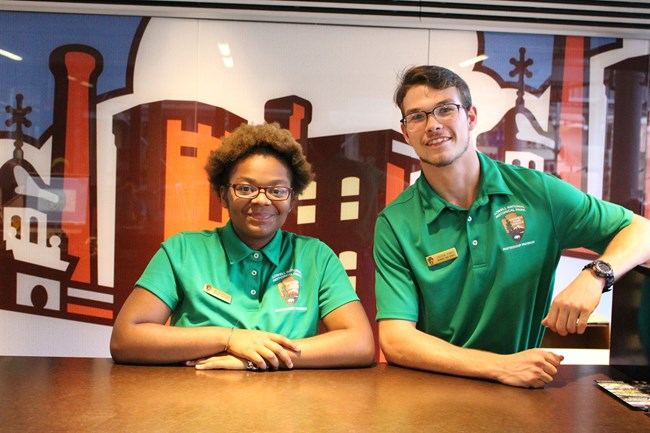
(246, 295)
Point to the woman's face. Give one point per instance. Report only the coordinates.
(257, 220)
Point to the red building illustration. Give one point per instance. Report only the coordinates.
(49, 229)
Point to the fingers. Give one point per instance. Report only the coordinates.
(543, 380)
(581, 324)
(266, 350)
(532, 368)
(577, 321)
(218, 362)
(267, 357)
(555, 359)
(551, 318)
(571, 308)
(538, 384)
(283, 344)
(550, 367)
(568, 323)
(548, 371)
(289, 344)
(562, 321)
(281, 356)
(567, 320)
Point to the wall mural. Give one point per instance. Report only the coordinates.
(108, 122)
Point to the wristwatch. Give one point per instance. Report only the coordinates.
(602, 270)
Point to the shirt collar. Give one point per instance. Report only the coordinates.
(237, 250)
(491, 183)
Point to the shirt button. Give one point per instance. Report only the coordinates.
(253, 292)
(469, 219)
(256, 255)
(254, 273)
(475, 242)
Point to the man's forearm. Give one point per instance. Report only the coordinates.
(412, 348)
(629, 247)
(404, 345)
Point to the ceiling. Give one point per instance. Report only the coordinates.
(623, 18)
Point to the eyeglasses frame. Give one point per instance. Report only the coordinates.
(259, 190)
(430, 112)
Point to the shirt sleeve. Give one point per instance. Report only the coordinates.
(582, 220)
(335, 288)
(395, 289)
(158, 278)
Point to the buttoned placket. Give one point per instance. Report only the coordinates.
(254, 272)
(476, 249)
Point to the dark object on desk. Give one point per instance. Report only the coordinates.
(634, 394)
(630, 336)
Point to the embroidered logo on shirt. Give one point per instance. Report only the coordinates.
(515, 225)
(289, 290)
(513, 221)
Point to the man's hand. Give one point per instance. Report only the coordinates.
(572, 307)
(531, 368)
(265, 349)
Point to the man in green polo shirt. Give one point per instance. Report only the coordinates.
(247, 295)
(466, 257)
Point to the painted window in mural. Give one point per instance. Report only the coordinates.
(306, 210)
(108, 122)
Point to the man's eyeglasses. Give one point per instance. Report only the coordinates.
(443, 113)
(273, 193)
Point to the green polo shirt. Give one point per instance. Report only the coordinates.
(285, 287)
(483, 277)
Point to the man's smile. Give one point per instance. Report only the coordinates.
(437, 141)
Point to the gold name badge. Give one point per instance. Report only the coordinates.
(442, 256)
(219, 294)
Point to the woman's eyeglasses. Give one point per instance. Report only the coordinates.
(273, 193)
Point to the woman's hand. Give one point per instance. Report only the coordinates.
(222, 361)
(265, 349)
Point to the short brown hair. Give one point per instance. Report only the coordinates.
(268, 139)
(436, 77)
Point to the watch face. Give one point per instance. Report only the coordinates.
(603, 270)
(603, 267)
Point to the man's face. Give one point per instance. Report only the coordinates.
(438, 142)
(257, 220)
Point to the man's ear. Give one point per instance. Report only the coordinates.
(405, 133)
(472, 117)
